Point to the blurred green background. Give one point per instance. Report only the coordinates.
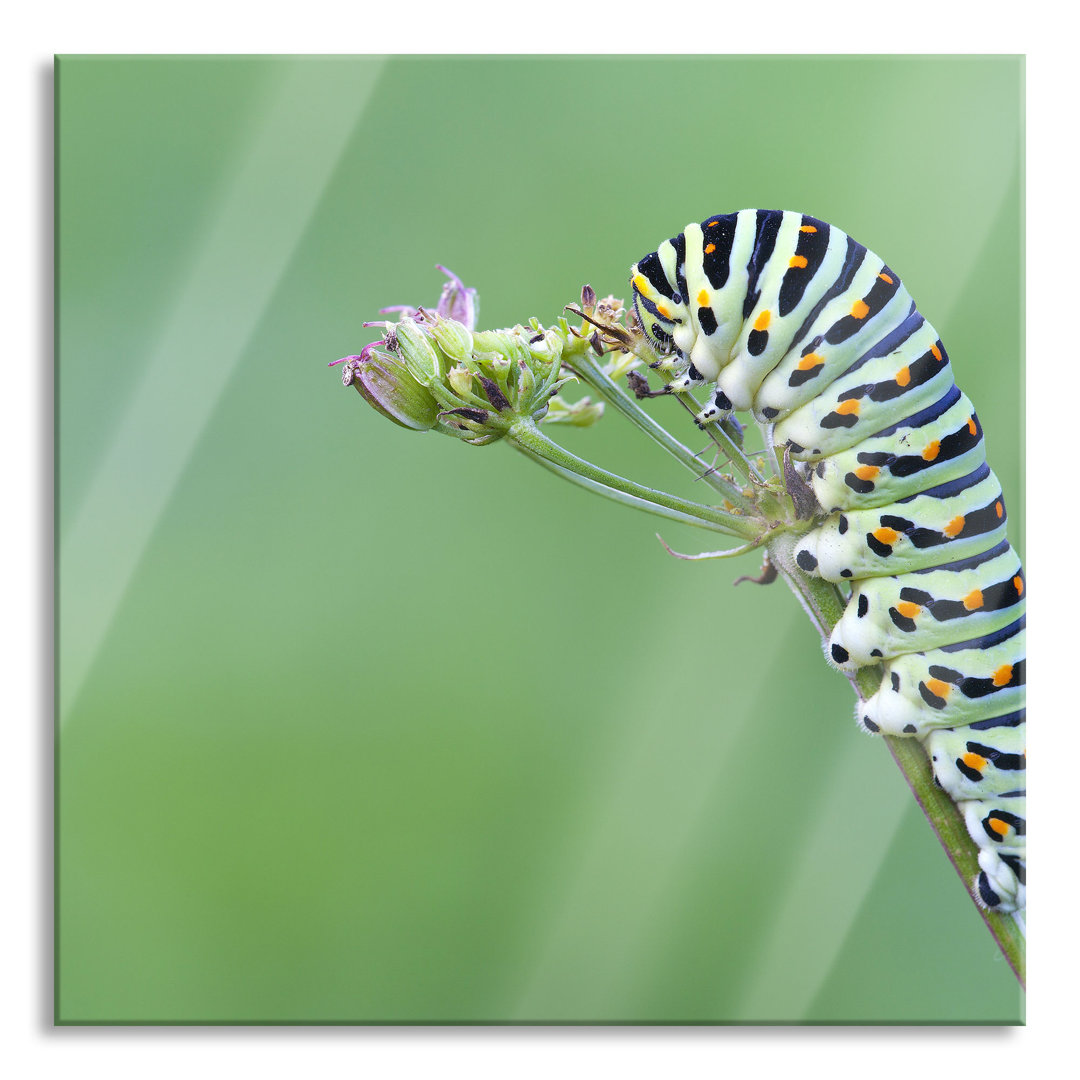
(359, 725)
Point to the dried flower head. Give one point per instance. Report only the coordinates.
(433, 370)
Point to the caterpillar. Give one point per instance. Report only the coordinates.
(787, 317)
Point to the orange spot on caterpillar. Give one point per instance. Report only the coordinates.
(663, 311)
(954, 526)
(715, 221)
(810, 360)
(931, 451)
(763, 320)
(936, 351)
(807, 228)
(999, 508)
(860, 309)
(1018, 585)
(974, 761)
(974, 600)
(641, 283)
(908, 609)
(999, 826)
(867, 472)
(1003, 675)
(703, 298)
(848, 408)
(938, 688)
(903, 376)
(886, 536)
(885, 277)
(971, 425)
(710, 248)
(798, 261)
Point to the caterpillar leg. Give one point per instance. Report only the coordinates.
(690, 379)
(718, 409)
(1000, 885)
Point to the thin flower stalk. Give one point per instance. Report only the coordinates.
(528, 437)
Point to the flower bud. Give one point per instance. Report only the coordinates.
(492, 343)
(388, 387)
(412, 345)
(457, 302)
(460, 380)
(546, 347)
(452, 338)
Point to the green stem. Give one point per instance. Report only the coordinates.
(612, 493)
(824, 604)
(591, 373)
(528, 437)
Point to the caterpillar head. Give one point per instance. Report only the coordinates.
(660, 306)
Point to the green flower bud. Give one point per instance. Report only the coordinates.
(526, 382)
(546, 348)
(452, 338)
(388, 387)
(494, 345)
(461, 381)
(411, 343)
(494, 364)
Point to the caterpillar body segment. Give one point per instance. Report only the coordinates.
(938, 444)
(818, 358)
(863, 401)
(787, 317)
(927, 609)
(976, 681)
(966, 516)
(977, 768)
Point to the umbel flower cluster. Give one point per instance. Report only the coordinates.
(432, 370)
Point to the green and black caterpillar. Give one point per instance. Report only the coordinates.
(789, 318)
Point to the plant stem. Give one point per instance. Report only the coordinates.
(613, 493)
(823, 602)
(591, 373)
(526, 436)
